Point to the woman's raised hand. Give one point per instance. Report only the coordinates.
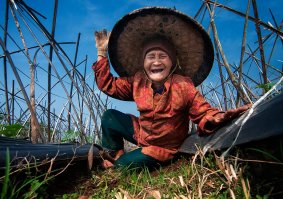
(101, 42)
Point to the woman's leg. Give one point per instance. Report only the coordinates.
(116, 126)
(136, 160)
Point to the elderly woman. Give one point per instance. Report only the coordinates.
(160, 55)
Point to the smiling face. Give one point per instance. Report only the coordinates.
(157, 65)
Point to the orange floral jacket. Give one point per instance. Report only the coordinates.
(164, 118)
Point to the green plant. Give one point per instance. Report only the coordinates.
(70, 136)
(74, 136)
(71, 196)
(181, 179)
(267, 86)
(261, 197)
(10, 130)
(265, 153)
(29, 187)
(7, 174)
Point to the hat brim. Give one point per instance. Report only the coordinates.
(194, 49)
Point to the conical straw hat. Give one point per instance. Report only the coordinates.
(194, 48)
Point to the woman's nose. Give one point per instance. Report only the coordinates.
(157, 61)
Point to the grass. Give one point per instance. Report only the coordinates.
(196, 177)
(7, 174)
(24, 183)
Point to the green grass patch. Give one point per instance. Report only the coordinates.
(185, 178)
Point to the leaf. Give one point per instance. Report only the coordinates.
(267, 86)
(232, 194)
(10, 130)
(182, 181)
(269, 155)
(90, 157)
(155, 193)
(7, 173)
(119, 195)
(126, 194)
(233, 172)
(183, 197)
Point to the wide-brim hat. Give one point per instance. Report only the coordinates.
(194, 49)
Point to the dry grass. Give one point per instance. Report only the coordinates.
(245, 174)
(200, 176)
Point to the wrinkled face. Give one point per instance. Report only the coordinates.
(157, 65)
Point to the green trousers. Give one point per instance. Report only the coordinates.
(117, 126)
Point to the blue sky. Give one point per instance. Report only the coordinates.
(86, 16)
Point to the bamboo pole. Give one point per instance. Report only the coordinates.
(233, 105)
(259, 68)
(54, 86)
(243, 15)
(265, 39)
(14, 95)
(225, 62)
(49, 69)
(21, 50)
(212, 89)
(222, 79)
(5, 74)
(59, 57)
(92, 99)
(83, 92)
(250, 92)
(261, 50)
(53, 67)
(13, 101)
(57, 121)
(33, 114)
(217, 98)
(243, 48)
(252, 55)
(35, 128)
(199, 10)
(275, 40)
(72, 84)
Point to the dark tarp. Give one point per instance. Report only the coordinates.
(22, 151)
(266, 121)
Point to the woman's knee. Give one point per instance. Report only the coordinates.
(108, 117)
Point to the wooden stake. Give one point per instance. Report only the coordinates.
(5, 64)
(243, 15)
(35, 128)
(34, 139)
(72, 84)
(49, 70)
(222, 80)
(13, 101)
(243, 50)
(225, 62)
(261, 50)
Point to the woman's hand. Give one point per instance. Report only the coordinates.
(101, 42)
(228, 115)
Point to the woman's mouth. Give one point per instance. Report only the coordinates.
(159, 70)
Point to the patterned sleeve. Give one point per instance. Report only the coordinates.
(116, 87)
(199, 108)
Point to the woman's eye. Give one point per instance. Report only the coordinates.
(150, 57)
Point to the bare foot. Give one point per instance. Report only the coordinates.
(119, 154)
(107, 164)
